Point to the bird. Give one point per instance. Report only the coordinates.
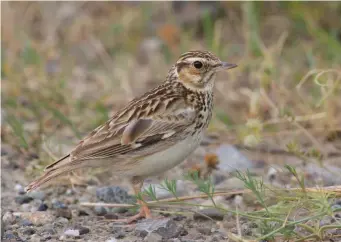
(154, 132)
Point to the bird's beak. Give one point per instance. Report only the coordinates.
(226, 66)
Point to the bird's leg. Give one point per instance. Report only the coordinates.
(144, 212)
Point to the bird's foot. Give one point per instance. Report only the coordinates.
(143, 213)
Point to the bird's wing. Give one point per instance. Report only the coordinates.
(147, 125)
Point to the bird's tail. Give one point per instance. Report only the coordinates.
(56, 169)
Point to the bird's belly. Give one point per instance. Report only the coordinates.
(167, 159)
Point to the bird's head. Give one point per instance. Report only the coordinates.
(197, 69)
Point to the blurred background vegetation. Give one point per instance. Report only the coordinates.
(67, 66)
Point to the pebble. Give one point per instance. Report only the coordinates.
(21, 199)
(231, 159)
(19, 189)
(25, 223)
(26, 207)
(246, 229)
(82, 230)
(72, 232)
(11, 236)
(110, 216)
(232, 183)
(82, 213)
(328, 174)
(38, 218)
(100, 211)
(272, 174)
(166, 228)
(119, 235)
(213, 213)
(35, 238)
(77, 231)
(113, 194)
(60, 222)
(58, 204)
(69, 192)
(38, 195)
(205, 230)
(65, 213)
(8, 218)
(49, 230)
(29, 231)
(153, 237)
(111, 240)
(42, 207)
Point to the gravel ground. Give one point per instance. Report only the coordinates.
(55, 214)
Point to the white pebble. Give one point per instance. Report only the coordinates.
(18, 188)
(272, 172)
(72, 232)
(238, 200)
(111, 240)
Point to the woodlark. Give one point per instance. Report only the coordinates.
(154, 132)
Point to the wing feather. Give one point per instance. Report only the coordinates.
(151, 125)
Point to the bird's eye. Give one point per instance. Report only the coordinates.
(197, 64)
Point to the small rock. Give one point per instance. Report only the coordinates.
(111, 240)
(218, 178)
(209, 212)
(21, 199)
(72, 232)
(110, 216)
(113, 194)
(230, 159)
(26, 207)
(166, 228)
(100, 211)
(29, 231)
(77, 231)
(19, 188)
(153, 237)
(246, 229)
(58, 204)
(69, 192)
(11, 236)
(38, 195)
(238, 200)
(82, 230)
(91, 189)
(65, 213)
(25, 222)
(60, 222)
(83, 213)
(42, 207)
(205, 230)
(119, 235)
(272, 174)
(117, 210)
(232, 183)
(9, 218)
(327, 173)
(35, 238)
(49, 230)
(38, 218)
